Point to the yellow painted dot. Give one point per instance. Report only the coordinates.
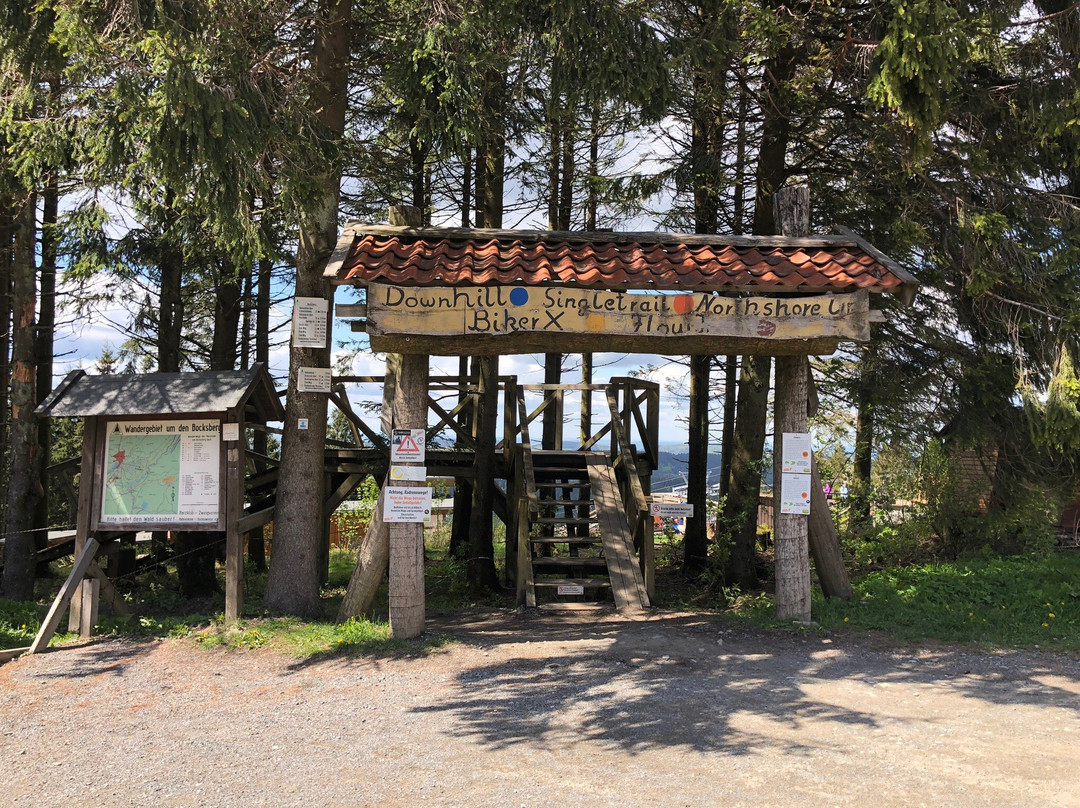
(595, 322)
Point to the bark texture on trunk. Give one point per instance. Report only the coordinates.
(24, 485)
(792, 547)
(293, 582)
(696, 539)
(406, 540)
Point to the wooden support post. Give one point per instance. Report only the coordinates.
(91, 590)
(696, 539)
(87, 473)
(792, 552)
(234, 539)
(407, 538)
(64, 597)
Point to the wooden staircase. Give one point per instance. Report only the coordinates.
(579, 545)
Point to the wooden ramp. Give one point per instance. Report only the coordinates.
(580, 546)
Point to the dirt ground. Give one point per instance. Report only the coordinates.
(551, 710)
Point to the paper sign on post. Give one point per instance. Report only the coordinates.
(402, 504)
(795, 493)
(313, 380)
(310, 315)
(796, 453)
(416, 474)
(407, 446)
(230, 432)
(671, 510)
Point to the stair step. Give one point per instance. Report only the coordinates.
(570, 561)
(563, 503)
(551, 484)
(585, 583)
(564, 540)
(561, 520)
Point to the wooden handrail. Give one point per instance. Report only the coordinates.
(526, 455)
(626, 457)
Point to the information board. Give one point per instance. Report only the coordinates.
(162, 472)
(401, 504)
(310, 315)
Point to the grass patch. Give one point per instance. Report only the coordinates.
(1018, 602)
(305, 638)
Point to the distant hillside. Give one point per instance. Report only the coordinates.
(673, 464)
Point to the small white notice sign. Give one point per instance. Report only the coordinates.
(407, 446)
(571, 589)
(310, 316)
(671, 510)
(796, 453)
(402, 504)
(415, 474)
(230, 432)
(313, 380)
(795, 493)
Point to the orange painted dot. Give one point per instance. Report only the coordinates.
(805, 454)
(804, 495)
(684, 304)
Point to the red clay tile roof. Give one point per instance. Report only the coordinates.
(427, 257)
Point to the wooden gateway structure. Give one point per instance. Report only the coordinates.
(484, 293)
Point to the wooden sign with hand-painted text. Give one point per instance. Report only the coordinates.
(518, 318)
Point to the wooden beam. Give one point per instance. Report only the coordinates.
(234, 537)
(63, 598)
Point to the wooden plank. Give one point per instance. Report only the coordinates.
(526, 592)
(504, 311)
(637, 504)
(64, 596)
(91, 591)
(112, 596)
(627, 584)
(88, 484)
(250, 521)
(234, 538)
(8, 654)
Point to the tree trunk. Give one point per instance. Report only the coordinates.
(293, 582)
(480, 565)
(791, 533)
(227, 311)
(728, 435)
(754, 380)
(406, 539)
(259, 441)
(551, 416)
(46, 326)
(24, 486)
(741, 506)
(7, 236)
(862, 459)
(170, 301)
(696, 539)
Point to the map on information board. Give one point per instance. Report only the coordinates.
(163, 472)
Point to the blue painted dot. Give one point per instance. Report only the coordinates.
(519, 296)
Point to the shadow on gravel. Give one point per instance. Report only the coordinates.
(107, 656)
(668, 682)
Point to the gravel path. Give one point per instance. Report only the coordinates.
(558, 710)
